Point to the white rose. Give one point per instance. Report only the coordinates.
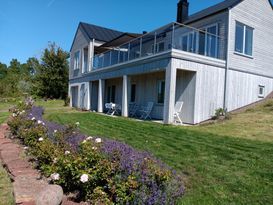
(98, 140)
(66, 152)
(84, 178)
(55, 176)
(40, 139)
(55, 131)
(89, 138)
(33, 118)
(40, 122)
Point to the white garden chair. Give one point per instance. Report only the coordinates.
(146, 112)
(112, 108)
(177, 111)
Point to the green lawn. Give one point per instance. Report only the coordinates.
(6, 194)
(219, 168)
(223, 163)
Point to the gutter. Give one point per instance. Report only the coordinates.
(225, 103)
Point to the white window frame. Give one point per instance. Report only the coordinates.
(205, 29)
(188, 41)
(261, 95)
(74, 60)
(156, 47)
(206, 38)
(244, 39)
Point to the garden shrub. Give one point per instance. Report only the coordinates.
(101, 171)
(221, 113)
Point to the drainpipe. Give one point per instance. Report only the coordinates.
(225, 103)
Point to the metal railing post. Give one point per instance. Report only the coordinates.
(129, 45)
(140, 48)
(118, 54)
(173, 36)
(155, 43)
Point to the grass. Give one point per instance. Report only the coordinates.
(223, 163)
(219, 168)
(256, 124)
(6, 193)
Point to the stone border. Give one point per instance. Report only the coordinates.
(28, 186)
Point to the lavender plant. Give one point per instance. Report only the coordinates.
(101, 170)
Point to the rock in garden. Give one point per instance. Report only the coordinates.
(51, 195)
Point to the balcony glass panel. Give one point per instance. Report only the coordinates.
(202, 41)
(114, 56)
(123, 53)
(147, 48)
(134, 51)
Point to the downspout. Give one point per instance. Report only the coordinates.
(225, 103)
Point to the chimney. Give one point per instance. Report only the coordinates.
(182, 11)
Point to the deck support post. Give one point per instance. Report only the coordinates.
(169, 100)
(124, 108)
(101, 95)
(88, 95)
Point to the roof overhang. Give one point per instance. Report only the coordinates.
(124, 38)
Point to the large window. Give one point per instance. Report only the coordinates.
(189, 42)
(212, 41)
(204, 42)
(77, 60)
(243, 39)
(161, 91)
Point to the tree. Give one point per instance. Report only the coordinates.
(51, 79)
(3, 71)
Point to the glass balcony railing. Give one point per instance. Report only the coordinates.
(206, 42)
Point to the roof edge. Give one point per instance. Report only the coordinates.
(84, 33)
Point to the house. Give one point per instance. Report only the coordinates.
(221, 57)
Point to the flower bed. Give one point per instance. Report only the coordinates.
(100, 171)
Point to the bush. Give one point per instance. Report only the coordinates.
(221, 113)
(101, 171)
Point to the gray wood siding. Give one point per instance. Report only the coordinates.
(257, 14)
(243, 88)
(80, 42)
(209, 88)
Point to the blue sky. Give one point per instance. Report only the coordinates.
(26, 26)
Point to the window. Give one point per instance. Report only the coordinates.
(212, 41)
(77, 60)
(261, 91)
(111, 94)
(204, 42)
(243, 39)
(133, 93)
(161, 91)
(160, 47)
(189, 42)
(85, 60)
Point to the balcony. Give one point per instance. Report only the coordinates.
(205, 42)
